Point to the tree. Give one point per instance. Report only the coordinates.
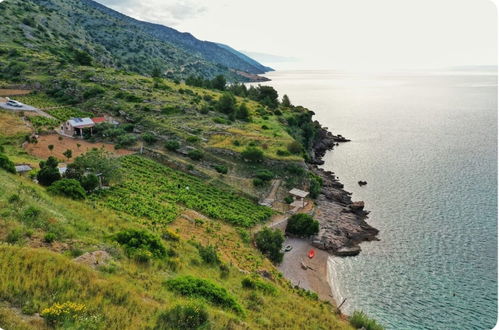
(219, 83)
(68, 153)
(243, 112)
(156, 72)
(302, 225)
(51, 147)
(49, 173)
(67, 187)
(89, 182)
(252, 154)
(286, 102)
(227, 103)
(96, 161)
(82, 58)
(7, 164)
(269, 242)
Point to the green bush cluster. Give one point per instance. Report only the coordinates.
(204, 289)
(140, 244)
(257, 284)
(67, 187)
(7, 164)
(269, 242)
(360, 320)
(302, 225)
(187, 317)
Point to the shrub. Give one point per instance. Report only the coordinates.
(138, 242)
(360, 320)
(224, 270)
(315, 185)
(62, 313)
(244, 234)
(189, 317)
(89, 182)
(195, 154)
(288, 199)
(193, 139)
(170, 235)
(269, 242)
(126, 140)
(302, 225)
(258, 182)
(149, 138)
(257, 284)
(243, 112)
(264, 175)
(49, 173)
(253, 155)
(282, 153)
(205, 289)
(14, 198)
(226, 103)
(49, 237)
(172, 145)
(222, 169)
(67, 187)
(294, 147)
(7, 164)
(208, 254)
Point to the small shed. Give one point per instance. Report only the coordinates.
(23, 169)
(62, 170)
(298, 196)
(75, 126)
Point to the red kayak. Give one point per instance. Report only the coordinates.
(311, 253)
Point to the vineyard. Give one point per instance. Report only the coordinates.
(66, 113)
(151, 190)
(39, 122)
(38, 100)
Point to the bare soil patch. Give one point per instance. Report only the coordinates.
(61, 144)
(13, 92)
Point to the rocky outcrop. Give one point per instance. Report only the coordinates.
(324, 141)
(342, 221)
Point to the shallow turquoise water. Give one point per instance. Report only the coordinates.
(427, 146)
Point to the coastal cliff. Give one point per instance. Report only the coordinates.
(342, 222)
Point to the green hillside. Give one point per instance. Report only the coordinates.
(151, 226)
(64, 28)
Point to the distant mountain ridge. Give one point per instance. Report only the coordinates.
(211, 51)
(118, 41)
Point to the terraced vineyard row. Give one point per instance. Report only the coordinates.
(151, 190)
(65, 113)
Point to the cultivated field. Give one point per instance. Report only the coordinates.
(61, 144)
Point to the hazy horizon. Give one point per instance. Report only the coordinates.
(337, 34)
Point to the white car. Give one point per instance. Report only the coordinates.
(13, 103)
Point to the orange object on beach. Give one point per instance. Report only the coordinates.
(311, 253)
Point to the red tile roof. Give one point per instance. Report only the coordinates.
(98, 120)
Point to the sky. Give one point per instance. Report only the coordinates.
(336, 34)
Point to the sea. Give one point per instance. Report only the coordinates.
(426, 143)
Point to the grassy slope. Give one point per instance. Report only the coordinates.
(127, 294)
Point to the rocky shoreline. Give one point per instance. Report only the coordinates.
(342, 221)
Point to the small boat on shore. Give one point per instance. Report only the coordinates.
(311, 253)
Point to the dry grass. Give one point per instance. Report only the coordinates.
(12, 125)
(14, 92)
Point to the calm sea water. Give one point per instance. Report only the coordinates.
(426, 143)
